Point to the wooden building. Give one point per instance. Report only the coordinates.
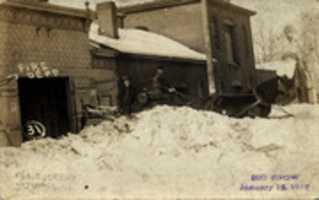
(217, 28)
(46, 71)
(137, 53)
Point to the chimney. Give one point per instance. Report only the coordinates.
(120, 20)
(107, 19)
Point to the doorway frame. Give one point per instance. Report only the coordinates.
(70, 102)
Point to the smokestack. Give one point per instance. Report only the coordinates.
(107, 19)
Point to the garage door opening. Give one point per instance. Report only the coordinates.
(45, 107)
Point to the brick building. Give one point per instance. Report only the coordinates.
(48, 48)
(217, 28)
(137, 53)
(50, 68)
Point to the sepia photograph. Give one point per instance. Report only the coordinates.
(159, 99)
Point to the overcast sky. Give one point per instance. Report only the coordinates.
(275, 13)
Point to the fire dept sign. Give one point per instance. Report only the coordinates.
(37, 70)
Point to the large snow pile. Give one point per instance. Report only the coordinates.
(169, 152)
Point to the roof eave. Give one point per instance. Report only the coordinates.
(149, 6)
(234, 7)
(167, 58)
(46, 7)
(158, 57)
(161, 4)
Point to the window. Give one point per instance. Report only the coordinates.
(103, 62)
(215, 32)
(232, 53)
(246, 41)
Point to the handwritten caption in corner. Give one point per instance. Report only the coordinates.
(276, 182)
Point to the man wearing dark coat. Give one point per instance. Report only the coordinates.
(160, 87)
(125, 96)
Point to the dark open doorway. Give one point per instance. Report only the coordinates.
(45, 107)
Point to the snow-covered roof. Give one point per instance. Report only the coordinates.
(282, 67)
(140, 42)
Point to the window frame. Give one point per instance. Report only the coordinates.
(230, 42)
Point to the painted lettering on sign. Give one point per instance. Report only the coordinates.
(37, 70)
(36, 129)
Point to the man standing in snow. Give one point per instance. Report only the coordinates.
(84, 115)
(125, 96)
(160, 86)
(159, 82)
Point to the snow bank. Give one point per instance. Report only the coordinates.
(167, 153)
(141, 42)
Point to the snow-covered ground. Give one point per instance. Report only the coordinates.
(170, 153)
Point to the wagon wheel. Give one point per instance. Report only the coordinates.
(141, 102)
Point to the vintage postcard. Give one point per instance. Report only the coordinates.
(159, 99)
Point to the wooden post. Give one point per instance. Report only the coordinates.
(209, 48)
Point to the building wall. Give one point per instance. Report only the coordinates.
(195, 25)
(3, 99)
(34, 38)
(183, 23)
(9, 117)
(177, 73)
(243, 69)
